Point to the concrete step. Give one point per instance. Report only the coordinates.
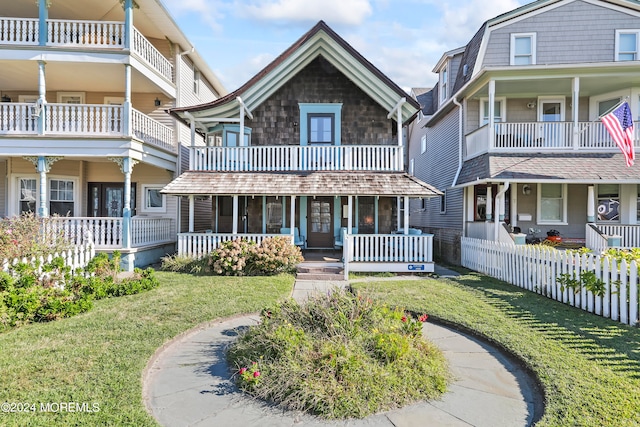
(319, 270)
(320, 277)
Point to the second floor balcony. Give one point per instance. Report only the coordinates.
(542, 137)
(82, 120)
(279, 158)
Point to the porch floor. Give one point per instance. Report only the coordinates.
(322, 255)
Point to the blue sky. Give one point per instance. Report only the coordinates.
(404, 39)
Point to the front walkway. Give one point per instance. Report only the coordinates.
(188, 383)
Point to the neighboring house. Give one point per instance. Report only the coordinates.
(83, 132)
(512, 132)
(311, 147)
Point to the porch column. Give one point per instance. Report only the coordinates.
(42, 97)
(43, 15)
(591, 204)
(43, 167)
(349, 214)
(292, 215)
(575, 101)
(234, 229)
(128, 23)
(492, 101)
(127, 168)
(399, 218)
(192, 128)
(489, 204)
(127, 113)
(191, 213)
(406, 214)
(502, 202)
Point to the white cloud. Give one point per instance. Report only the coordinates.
(206, 11)
(340, 12)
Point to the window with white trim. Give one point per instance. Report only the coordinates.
(423, 144)
(444, 80)
(28, 195)
(499, 110)
(523, 49)
(153, 200)
(320, 123)
(627, 45)
(61, 197)
(443, 202)
(608, 202)
(552, 203)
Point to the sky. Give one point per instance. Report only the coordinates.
(403, 38)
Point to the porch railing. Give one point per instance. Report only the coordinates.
(150, 54)
(106, 231)
(197, 245)
(63, 32)
(150, 231)
(630, 234)
(83, 119)
(17, 119)
(152, 131)
(19, 31)
(389, 248)
(595, 239)
(298, 158)
(542, 136)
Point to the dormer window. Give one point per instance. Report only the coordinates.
(627, 45)
(523, 49)
(444, 80)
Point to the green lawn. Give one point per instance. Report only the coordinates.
(98, 357)
(589, 366)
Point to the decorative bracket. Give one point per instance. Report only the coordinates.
(125, 166)
(46, 166)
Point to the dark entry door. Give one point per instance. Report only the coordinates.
(320, 224)
(106, 199)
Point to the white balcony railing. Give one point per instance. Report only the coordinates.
(152, 131)
(542, 136)
(298, 158)
(17, 118)
(197, 245)
(150, 231)
(83, 119)
(62, 32)
(19, 31)
(150, 54)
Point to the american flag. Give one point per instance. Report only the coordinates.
(619, 123)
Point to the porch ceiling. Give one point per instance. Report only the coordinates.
(561, 167)
(299, 184)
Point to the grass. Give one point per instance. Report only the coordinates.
(98, 357)
(589, 366)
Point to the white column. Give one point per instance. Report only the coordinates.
(128, 23)
(398, 217)
(292, 214)
(234, 230)
(492, 101)
(42, 97)
(489, 203)
(406, 214)
(43, 210)
(575, 101)
(127, 106)
(591, 204)
(127, 169)
(191, 213)
(349, 214)
(502, 204)
(241, 136)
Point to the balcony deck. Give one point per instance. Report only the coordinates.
(82, 120)
(542, 137)
(83, 34)
(284, 158)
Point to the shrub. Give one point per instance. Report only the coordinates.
(338, 356)
(230, 258)
(183, 264)
(274, 255)
(30, 236)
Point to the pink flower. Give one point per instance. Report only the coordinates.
(256, 374)
(243, 370)
(423, 318)
(404, 319)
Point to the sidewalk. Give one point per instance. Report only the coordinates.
(188, 383)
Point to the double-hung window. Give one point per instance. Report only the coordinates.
(28, 195)
(61, 197)
(154, 201)
(523, 49)
(552, 203)
(627, 45)
(444, 80)
(499, 110)
(321, 128)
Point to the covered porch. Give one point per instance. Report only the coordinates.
(360, 216)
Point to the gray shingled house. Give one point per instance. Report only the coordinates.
(311, 147)
(511, 133)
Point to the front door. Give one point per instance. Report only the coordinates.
(551, 114)
(320, 224)
(106, 199)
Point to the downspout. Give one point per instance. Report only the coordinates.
(457, 103)
(497, 211)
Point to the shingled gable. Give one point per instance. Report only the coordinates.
(321, 40)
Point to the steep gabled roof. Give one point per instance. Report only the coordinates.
(320, 40)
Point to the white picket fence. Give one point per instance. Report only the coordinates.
(75, 258)
(537, 268)
(197, 245)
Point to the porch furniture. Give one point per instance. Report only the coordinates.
(297, 239)
(338, 241)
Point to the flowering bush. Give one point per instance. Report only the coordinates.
(241, 257)
(338, 356)
(29, 236)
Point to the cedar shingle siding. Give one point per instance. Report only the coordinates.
(364, 122)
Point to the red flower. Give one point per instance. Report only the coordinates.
(404, 319)
(243, 370)
(423, 318)
(256, 374)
